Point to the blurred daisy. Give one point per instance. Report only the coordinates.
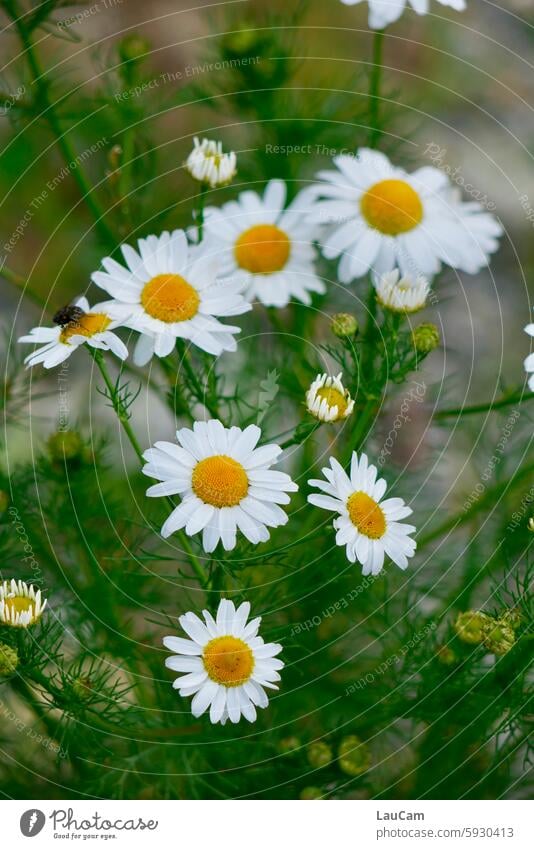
(226, 665)
(367, 526)
(384, 12)
(20, 604)
(208, 164)
(529, 362)
(76, 324)
(384, 218)
(328, 400)
(268, 248)
(225, 483)
(170, 291)
(401, 294)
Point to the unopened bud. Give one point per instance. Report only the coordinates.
(9, 659)
(344, 324)
(471, 626)
(354, 756)
(499, 638)
(426, 338)
(65, 445)
(320, 755)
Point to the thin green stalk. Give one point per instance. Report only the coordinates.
(68, 152)
(124, 420)
(517, 397)
(200, 216)
(374, 89)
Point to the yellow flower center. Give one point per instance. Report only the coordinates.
(220, 481)
(168, 297)
(228, 661)
(366, 515)
(263, 249)
(87, 325)
(334, 398)
(392, 207)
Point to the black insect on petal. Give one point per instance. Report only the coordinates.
(68, 315)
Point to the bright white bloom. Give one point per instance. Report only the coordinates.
(20, 604)
(226, 665)
(384, 12)
(268, 248)
(208, 164)
(402, 295)
(384, 218)
(328, 400)
(367, 526)
(225, 482)
(171, 291)
(529, 362)
(76, 325)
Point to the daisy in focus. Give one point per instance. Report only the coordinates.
(328, 400)
(529, 362)
(75, 325)
(225, 482)
(382, 218)
(384, 12)
(225, 665)
(369, 527)
(401, 294)
(267, 247)
(208, 164)
(168, 291)
(21, 604)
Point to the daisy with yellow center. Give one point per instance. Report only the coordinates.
(21, 604)
(382, 217)
(401, 294)
(170, 290)
(75, 325)
(367, 526)
(384, 12)
(225, 482)
(328, 400)
(266, 246)
(208, 164)
(226, 666)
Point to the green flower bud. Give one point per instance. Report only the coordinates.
(242, 42)
(531, 524)
(499, 638)
(471, 626)
(344, 324)
(289, 745)
(82, 688)
(426, 338)
(65, 445)
(354, 756)
(310, 793)
(9, 659)
(446, 656)
(319, 755)
(133, 48)
(511, 617)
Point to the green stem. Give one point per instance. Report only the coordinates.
(374, 89)
(68, 152)
(126, 426)
(200, 217)
(518, 397)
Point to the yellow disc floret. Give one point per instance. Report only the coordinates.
(168, 297)
(366, 515)
(228, 660)
(263, 249)
(392, 207)
(86, 325)
(334, 398)
(220, 481)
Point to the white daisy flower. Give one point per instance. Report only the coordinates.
(328, 400)
(226, 665)
(76, 325)
(401, 294)
(384, 218)
(21, 604)
(170, 291)
(208, 164)
(225, 482)
(529, 362)
(367, 526)
(268, 248)
(384, 12)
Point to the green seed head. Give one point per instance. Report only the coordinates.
(426, 338)
(319, 755)
(310, 793)
(133, 48)
(344, 324)
(471, 626)
(65, 445)
(499, 638)
(354, 756)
